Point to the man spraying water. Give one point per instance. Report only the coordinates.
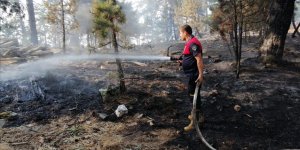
(192, 64)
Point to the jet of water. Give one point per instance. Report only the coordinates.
(44, 65)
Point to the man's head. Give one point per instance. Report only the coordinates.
(185, 32)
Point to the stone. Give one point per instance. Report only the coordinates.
(213, 93)
(151, 122)
(103, 116)
(121, 110)
(2, 123)
(237, 108)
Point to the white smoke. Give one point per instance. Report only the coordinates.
(43, 66)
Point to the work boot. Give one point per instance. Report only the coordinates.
(190, 127)
(200, 116)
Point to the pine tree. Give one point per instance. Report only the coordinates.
(108, 16)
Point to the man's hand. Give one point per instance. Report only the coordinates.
(179, 61)
(199, 79)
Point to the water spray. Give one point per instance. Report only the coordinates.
(43, 65)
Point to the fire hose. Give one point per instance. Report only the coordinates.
(196, 120)
(173, 58)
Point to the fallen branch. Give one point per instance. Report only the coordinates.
(20, 143)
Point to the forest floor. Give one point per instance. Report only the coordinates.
(67, 115)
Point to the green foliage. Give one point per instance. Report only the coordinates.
(254, 15)
(54, 13)
(108, 16)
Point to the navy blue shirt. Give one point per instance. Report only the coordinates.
(189, 62)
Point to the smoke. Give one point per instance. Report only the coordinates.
(43, 66)
(84, 16)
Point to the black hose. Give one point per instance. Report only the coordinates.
(196, 120)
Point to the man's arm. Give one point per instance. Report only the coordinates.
(200, 66)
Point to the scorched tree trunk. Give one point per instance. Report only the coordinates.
(278, 24)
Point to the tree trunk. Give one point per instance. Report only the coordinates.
(296, 31)
(278, 24)
(32, 22)
(63, 25)
(119, 64)
(236, 40)
(22, 25)
(241, 24)
(295, 26)
(23, 30)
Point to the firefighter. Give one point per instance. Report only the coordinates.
(192, 64)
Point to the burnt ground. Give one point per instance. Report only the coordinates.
(62, 112)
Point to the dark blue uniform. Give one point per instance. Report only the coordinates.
(189, 64)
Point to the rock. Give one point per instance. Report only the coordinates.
(103, 116)
(2, 123)
(150, 122)
(121, 110)
(237, 108)
(213, 93)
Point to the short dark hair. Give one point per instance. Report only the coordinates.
(187, 28)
